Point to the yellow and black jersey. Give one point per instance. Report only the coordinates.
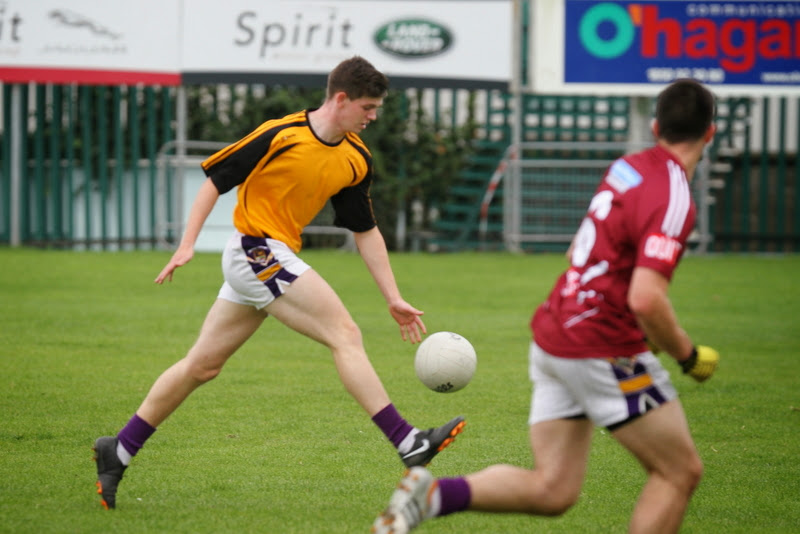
(286, 174)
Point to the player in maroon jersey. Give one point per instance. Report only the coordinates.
(589, 361)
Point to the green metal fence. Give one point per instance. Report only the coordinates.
(467, 223)
(87, 168)
(86, 160)
(752, 194)
(757, 203)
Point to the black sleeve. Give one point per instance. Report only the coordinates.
(234, 169)
(353, 207)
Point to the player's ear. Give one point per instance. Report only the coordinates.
(654, 128)
(340, 97)
(712, 129)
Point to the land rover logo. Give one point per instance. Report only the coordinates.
(413, 38)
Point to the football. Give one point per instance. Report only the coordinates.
(445, 362)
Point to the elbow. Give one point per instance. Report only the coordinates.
(640, 304)
(644, 305)
(647, 293)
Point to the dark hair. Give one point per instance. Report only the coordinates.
(357, 78)
(684, 111)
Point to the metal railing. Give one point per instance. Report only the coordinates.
(547, 190)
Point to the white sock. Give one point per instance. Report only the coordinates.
(123, 454)
(407, 442)
(434, 502)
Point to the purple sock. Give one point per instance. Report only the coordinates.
(456, 495)
(392, 425)
(135, 434)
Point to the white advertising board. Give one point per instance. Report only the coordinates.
(90, 41)
(452, 42)
(444, 40)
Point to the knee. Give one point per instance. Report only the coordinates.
(552, 497)
(687, 477)
(347, 336)
(206, 375)
(352, 332)
(557, 503)
(200, 372)
(693, 474)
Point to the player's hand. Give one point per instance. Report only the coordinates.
(408, 317)
(181, 257)
(701, 364)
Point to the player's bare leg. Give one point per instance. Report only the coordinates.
(561, 450)
(661, 441)
(226, 327)
(310, 306)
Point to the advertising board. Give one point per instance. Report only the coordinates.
(90, 41)
(630, 47)
(431, 43)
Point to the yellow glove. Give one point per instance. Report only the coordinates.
(701, 364)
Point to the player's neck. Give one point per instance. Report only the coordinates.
(688, 154)
(323, 124)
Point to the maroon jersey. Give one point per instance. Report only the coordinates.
(640, 215)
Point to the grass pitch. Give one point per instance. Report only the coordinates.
(275, 445)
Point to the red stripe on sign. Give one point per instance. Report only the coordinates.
(83, 76)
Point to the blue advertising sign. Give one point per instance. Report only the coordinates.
(732, 42)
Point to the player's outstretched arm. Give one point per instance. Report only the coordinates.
(372, 248)
(648, 300)
(409, 318)
(203, 204)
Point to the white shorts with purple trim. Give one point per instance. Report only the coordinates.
(609, 391)
(258, 270)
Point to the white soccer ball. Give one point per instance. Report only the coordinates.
(445, 362)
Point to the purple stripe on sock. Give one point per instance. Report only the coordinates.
(455, 493)
(392, 425)
(135, 433)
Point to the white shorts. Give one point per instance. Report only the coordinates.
(609, 391)
(258, 270)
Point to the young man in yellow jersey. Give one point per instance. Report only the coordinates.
(286, 171)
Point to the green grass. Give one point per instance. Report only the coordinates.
(275, 444)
